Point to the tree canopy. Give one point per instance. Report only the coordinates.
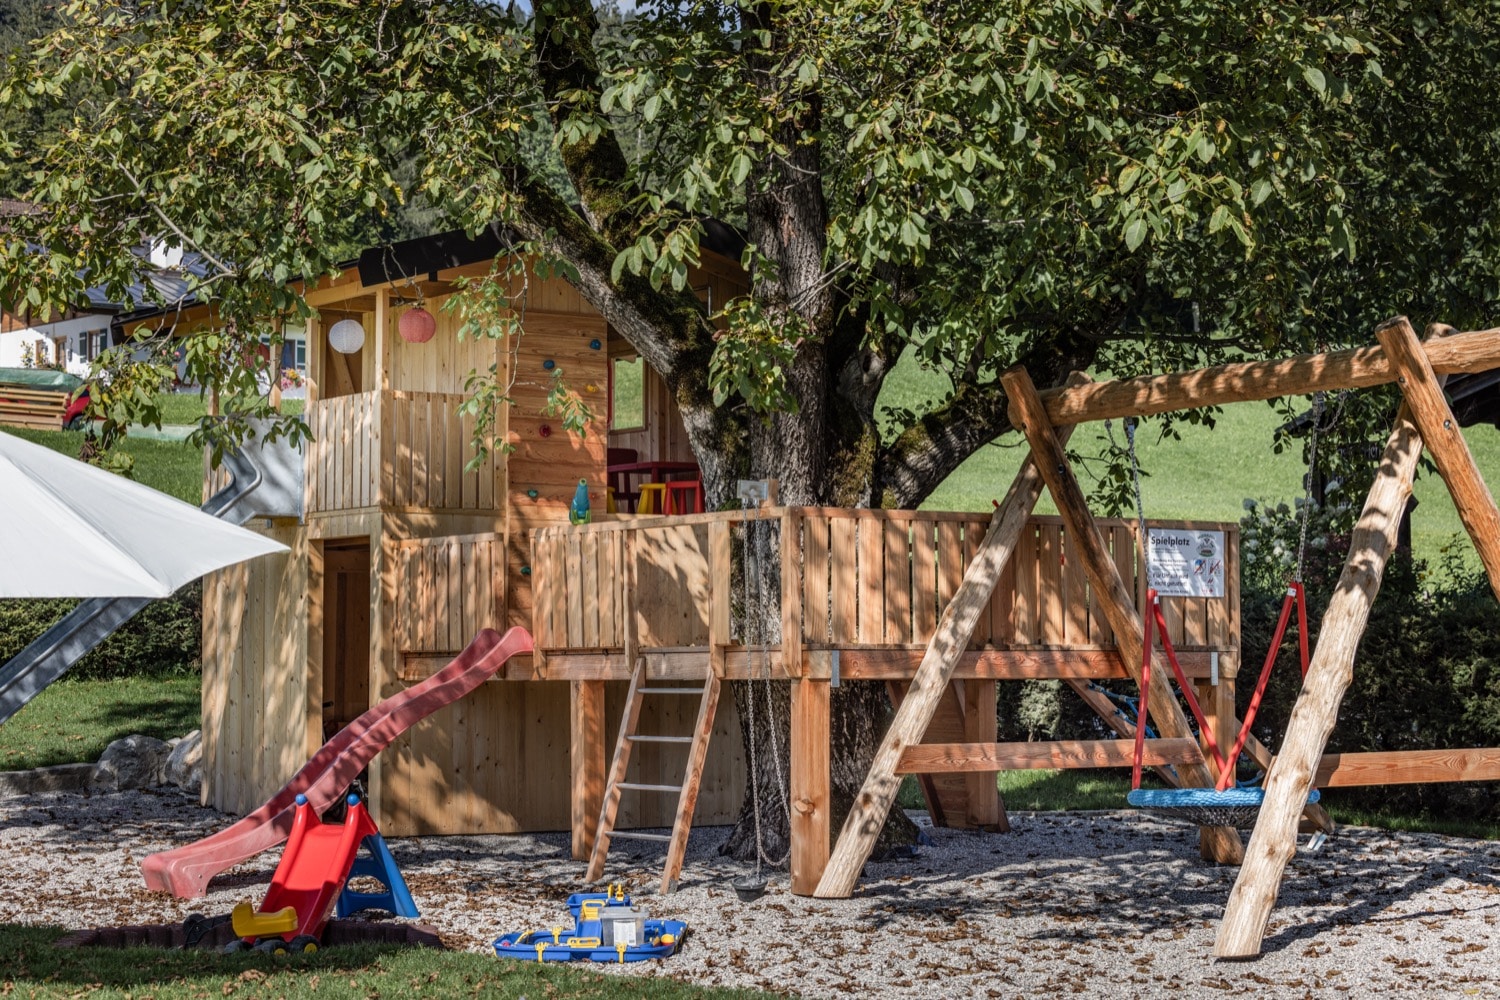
(1064, 184)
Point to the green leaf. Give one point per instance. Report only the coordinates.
(1219, 219)
(1135, 233)
(1315, 78)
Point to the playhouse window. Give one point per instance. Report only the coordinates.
(627, 395)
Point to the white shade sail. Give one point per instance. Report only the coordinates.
(68, 529)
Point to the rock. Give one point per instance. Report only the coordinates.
(184, 767)
(135, 761)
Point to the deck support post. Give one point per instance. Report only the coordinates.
(586, 760)
(1221, 844)
(1274, 839)
(811, 787)
(986, 811)
(955, 628)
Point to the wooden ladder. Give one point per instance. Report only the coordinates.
(687, 792)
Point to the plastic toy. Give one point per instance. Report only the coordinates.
(317, 863)
(606, 928)
(578, 510)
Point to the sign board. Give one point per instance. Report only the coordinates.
(1186, 562)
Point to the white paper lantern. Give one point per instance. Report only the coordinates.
(346, 336)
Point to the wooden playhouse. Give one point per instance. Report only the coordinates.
(402, 553)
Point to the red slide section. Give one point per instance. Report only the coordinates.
(185, 871)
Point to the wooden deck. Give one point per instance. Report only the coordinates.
(859, 593)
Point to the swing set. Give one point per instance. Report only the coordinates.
(1425, 420)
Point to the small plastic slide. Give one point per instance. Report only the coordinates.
(185, 871)
(313, 869)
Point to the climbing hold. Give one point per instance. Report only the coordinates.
(595, 345)
(545, 430)
(548, 365)
(533, 494)
(525, 570)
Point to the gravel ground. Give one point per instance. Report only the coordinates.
(1090, 904)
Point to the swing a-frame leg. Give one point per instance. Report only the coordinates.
(863, 824)
(1424, 416)
(1219, 843)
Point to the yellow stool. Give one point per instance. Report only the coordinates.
(653, 499)
(609, 500)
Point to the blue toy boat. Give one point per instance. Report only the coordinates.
(606, 928)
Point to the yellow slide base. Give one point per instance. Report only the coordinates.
(248, 923)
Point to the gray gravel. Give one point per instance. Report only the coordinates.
(1108, 904)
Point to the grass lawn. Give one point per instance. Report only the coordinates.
(189, 407)
(169, 466)
(74, 720)
(31, 967)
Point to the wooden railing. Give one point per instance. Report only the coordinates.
(394, 449)
(450, 588)
(851, 578)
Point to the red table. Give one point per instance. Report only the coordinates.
(620, 477)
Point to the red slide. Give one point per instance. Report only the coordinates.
(185, 871)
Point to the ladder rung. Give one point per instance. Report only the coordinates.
(660, 739)
(637, 787)
(628, 835)
(684, 690)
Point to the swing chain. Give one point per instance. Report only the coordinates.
(1312, 473)
(1135, 479)
(765, 662)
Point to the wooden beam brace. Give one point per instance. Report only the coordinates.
(1408, 767)
(586, 762)
(873, 803)
(1114, 597)
(940, 758)
(1237, 383)
(1112, 717)
(1444, 440)
(1275, 836)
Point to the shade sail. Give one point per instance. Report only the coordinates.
(68, 529)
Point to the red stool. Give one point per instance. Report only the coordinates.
(691, 500)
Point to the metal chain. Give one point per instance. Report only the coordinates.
(1140, 507)
(1307, 495)
(765, 660)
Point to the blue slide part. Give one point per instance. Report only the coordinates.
(381, 866)
(89, 624)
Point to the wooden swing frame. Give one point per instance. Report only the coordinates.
(1046, 417)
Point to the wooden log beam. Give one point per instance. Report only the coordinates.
(940, 758)
(1221, 844)
(1237, 383)
(1444, 440)
(1275, 836)
(1408, 767)
(955, 628)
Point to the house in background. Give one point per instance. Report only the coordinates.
(85, 330)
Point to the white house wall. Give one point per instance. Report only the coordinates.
(13, 345)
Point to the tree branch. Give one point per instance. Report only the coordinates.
(567, 68)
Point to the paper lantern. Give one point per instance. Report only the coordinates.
(346, 336)
(417, 326)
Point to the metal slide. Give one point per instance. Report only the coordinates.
(89, 624)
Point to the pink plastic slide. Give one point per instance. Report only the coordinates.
(185, 871)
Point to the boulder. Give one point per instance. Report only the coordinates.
(184, 767)
(135, 761)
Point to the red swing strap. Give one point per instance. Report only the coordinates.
(1294, 595)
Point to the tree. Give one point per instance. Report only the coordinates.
(963, 185)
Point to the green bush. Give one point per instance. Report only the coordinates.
(165, 637)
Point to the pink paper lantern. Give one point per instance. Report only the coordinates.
(417, 326)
